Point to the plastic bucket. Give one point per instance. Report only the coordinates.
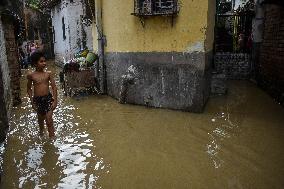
(91, 57)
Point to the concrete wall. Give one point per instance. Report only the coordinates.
(172, 61)
(125, 33)
(76, 32)
(5, 86)
(271, 70)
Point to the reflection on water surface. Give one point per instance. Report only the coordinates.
(237, 142)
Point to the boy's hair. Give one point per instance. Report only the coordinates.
(36, 56)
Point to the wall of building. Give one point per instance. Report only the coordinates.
(257, 32)
(172, 61)
(271, 70)
(5, 86)
(126, 34)
(37, 27)
(12, 58)
(233, 65)
(76, 32)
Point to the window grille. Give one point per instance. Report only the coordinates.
(155, 7)
(63, 28)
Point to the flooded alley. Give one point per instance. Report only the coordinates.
(237, 143)
(188, 94)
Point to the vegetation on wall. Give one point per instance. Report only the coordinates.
(33, 3)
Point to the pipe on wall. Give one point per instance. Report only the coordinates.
(101, 43)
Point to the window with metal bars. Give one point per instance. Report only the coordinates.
(63, 29)
(155, 7)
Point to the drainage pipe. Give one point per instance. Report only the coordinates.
(101, 43)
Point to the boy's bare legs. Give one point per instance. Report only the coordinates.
(49, 124)
(40, 119)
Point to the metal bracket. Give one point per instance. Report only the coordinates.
(142, 20)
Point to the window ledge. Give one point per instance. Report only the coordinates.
(168, 13)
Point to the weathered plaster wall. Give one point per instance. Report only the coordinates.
(173, 62)
(74, 29)
(192, 31)
(158, 82)
(95, 36)
(125, 33)
(5, 86)
(210, 27)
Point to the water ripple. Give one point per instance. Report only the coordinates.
(70, 156)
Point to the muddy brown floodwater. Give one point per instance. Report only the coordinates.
(237, 143)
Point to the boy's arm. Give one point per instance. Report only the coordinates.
(54, 89)
(29, 87)
(30, 91)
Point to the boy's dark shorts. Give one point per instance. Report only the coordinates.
(43, 103)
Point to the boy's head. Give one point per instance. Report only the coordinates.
(37, 58)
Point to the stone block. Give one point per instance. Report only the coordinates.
(219, 84)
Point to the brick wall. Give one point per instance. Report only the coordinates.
(271, 69)
(233, 65)
(12, 57)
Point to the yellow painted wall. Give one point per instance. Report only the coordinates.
(95, 36)
(192, 30)
(209, 40)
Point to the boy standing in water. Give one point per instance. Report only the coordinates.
(43, 102)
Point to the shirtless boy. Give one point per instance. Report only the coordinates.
(43, 102)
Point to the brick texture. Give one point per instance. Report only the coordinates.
(12, 57)
(233, 65)
(271, 69)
